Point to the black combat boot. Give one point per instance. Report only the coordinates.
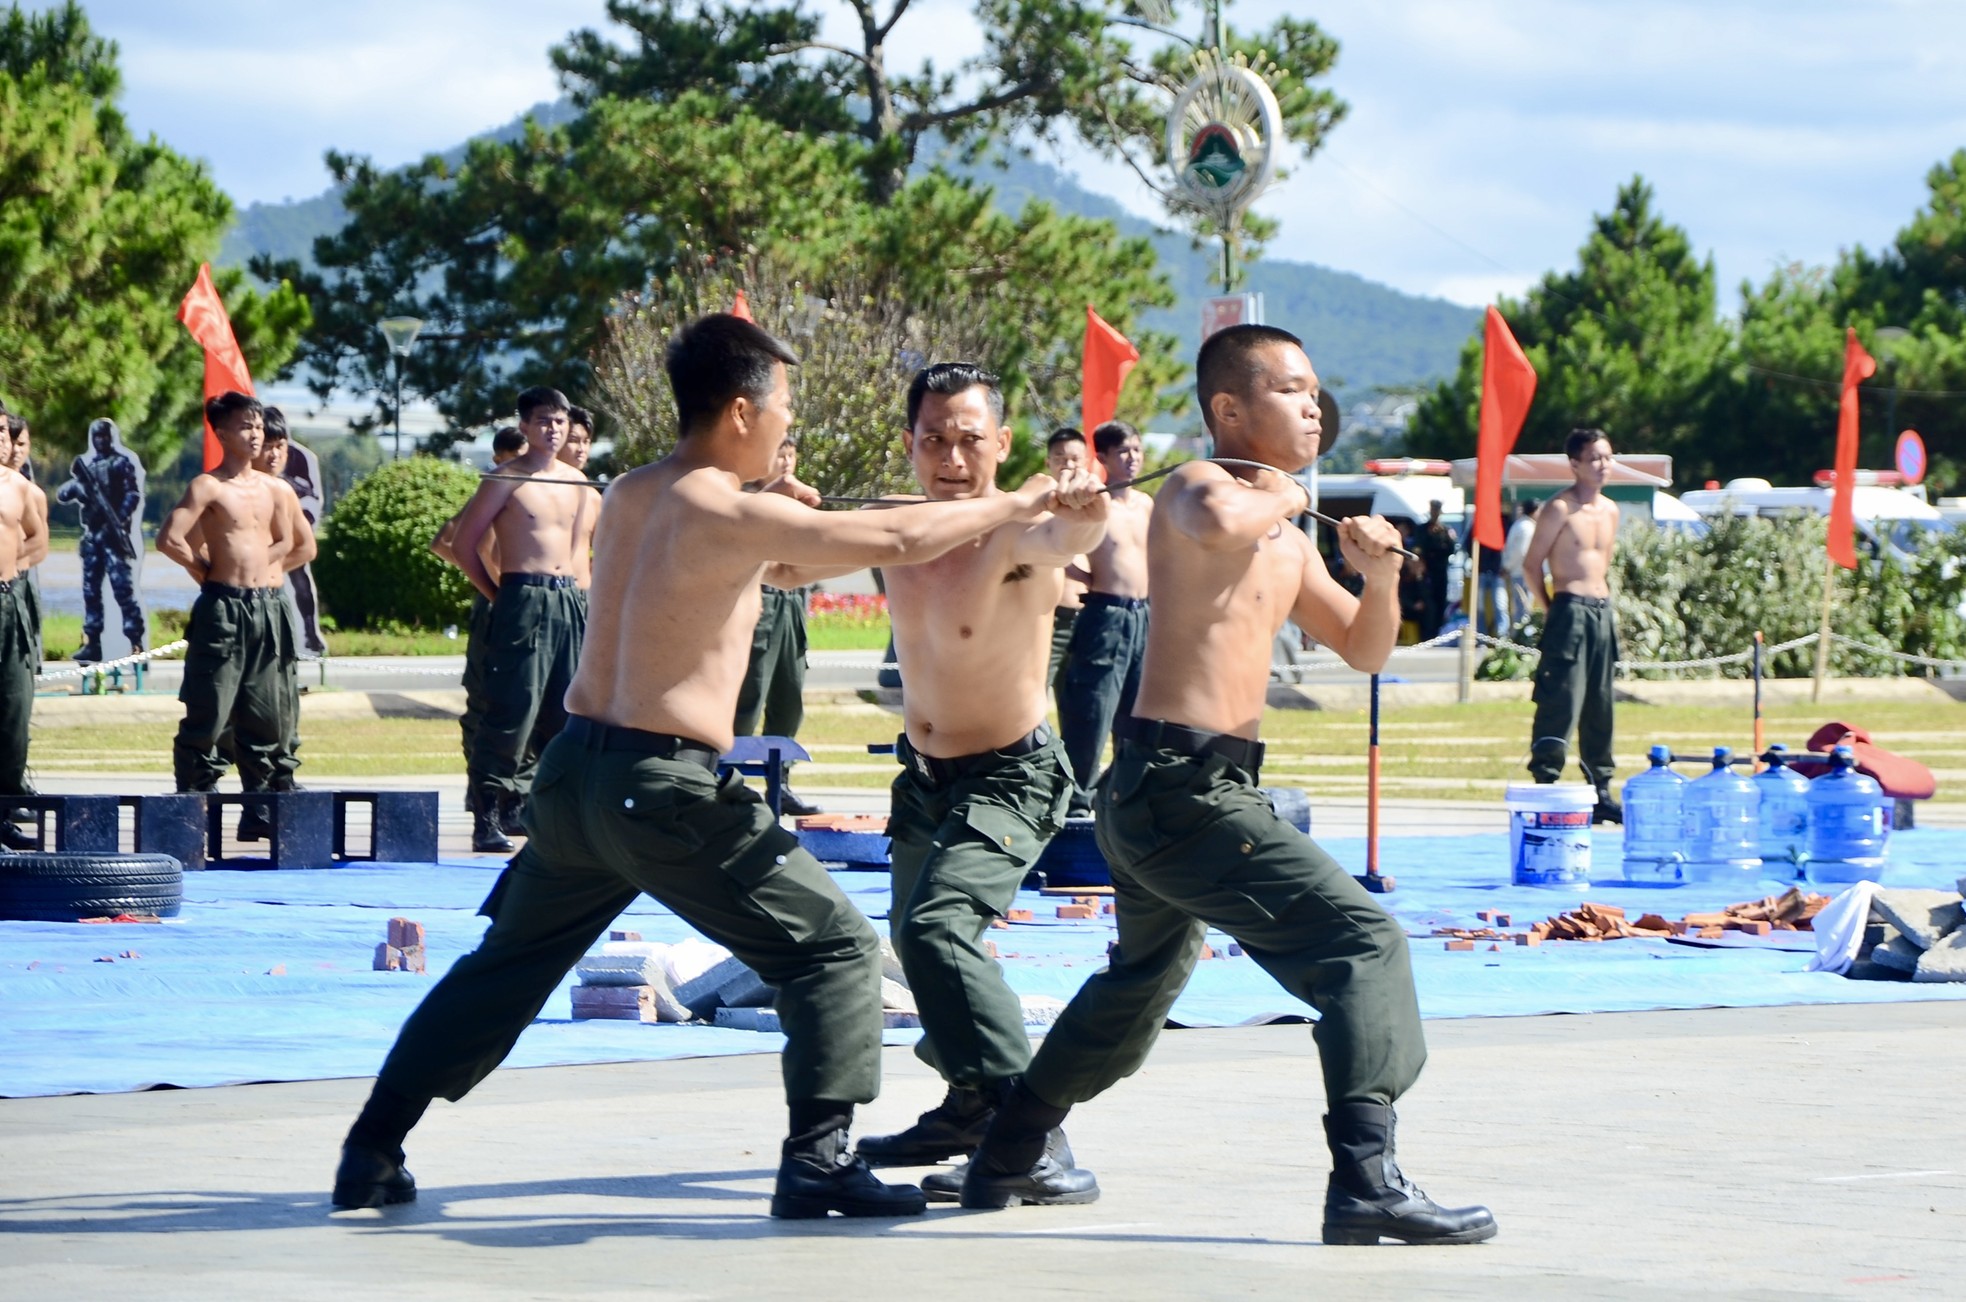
(817, 1174)
(1607, 809)
(1368, 1198)
(486, 837)
(511, 814)
(371, 1173)
(254, 825)
(952, 1128)
(1016, 1164)
(947, 1186)
(90, 652)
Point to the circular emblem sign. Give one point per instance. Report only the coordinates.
(1911, 456)
(1224, 138)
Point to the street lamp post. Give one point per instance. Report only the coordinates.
(1887, 339)
(401, 332)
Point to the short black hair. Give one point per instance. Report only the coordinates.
(541, 396)
(15, 424)
(1109, 436)
(1064, 434)
(508, 439)
(949, 379)
(221, 411)
(1580, 439)
(1226, 363)
(578, 415)
(276, 423)
(717, 359)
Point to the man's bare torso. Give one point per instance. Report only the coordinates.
(14, 509)
(1580, 556)
(1215, 613)
(1119, 564)
(238, 529)
(540, 524)
(972, 628)
(670, 618)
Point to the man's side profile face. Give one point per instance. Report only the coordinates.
(764, 425)
(1277, 419)
(1060, 457)
(545, 429)
(1592, 466)
(957, 445)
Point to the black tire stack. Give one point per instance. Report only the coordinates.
(70, 887)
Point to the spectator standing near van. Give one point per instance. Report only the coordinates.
(1515, 551)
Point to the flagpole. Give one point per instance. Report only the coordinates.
(1822, 632)
(1471, 608)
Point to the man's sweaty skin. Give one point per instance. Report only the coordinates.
(25, 528)
(1229, 568)
(575, 453)
(1118, 565)
(237, 525)
(682, 549)
(973, 626)
(538, 526)
(1058, 460)
(1575, 533)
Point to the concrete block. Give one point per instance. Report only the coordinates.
(891, 961)
(621, 970)
(1925, 917)
(746, 990)
(1897, 953)
(699, 994)
(387, 958)
(403, 933)
(616, 1003)
(413, 960)
(1945, 961)
(748, 1019)
(896, 997)
(1041, 1010)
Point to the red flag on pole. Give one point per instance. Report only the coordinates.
(741, 309)
(1108, 358)
(1508, 382)
(203, 314)
(1857, 367)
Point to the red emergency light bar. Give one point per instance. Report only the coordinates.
(1407, 466)
(1863, 479)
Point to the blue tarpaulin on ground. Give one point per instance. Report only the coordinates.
(266, 976)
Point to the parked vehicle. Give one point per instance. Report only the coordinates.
(1884, 515)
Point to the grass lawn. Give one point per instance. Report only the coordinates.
(1448, 752)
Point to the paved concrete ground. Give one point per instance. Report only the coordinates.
(1766, 1153)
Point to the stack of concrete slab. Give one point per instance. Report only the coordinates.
(1917, 935)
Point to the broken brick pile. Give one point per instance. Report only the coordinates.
(1790, 911)
(403, 950)
(1913, 935)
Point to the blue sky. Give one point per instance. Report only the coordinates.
(1483, 133)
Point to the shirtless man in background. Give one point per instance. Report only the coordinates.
(1065, 450)
(1575, 533)
(237, 531)
(1109, 638)
(21, 458)
(984, 782)
(23, 543)
(538, 616)
(1193, 843)
(629, 800)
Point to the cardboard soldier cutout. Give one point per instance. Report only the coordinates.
(303, 473)
(106, 487)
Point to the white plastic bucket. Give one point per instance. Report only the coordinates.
(1550, 834)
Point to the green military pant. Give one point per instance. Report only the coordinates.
(236, 679)
(1101, 678)
(532, 647)
(606, 825)
(964, 834)
(1193, 843)
(773, 693)
(18, 641)
(473, 681)
(1574, 690)
(1063, 620)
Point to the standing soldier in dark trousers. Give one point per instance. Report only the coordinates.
(272, 460)
(772, 700)
(1193, 843)
(532, 643)
(1109, 639)
(984, 782)
(506, 444)
(106, 484)
(1065, 451)
(1437, 545)
(236, 531)
(23, 543)
(629, 799)
(1576, 532)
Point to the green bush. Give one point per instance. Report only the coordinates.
(1681, 598)
(375, 566)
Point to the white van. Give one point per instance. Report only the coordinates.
(1890, 516)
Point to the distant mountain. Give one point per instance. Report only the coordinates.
(1361, 335)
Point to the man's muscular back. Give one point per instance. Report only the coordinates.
(977, 623)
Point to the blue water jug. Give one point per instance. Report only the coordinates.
(1784, 815)
(1723, 824)
(1847, 835)
(1655, 823)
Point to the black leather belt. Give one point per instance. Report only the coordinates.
(595, 735)
(1240, 751)
(1108, 599)
(941, 772)
(1595, 603)
(537, 580)
(212, 589)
